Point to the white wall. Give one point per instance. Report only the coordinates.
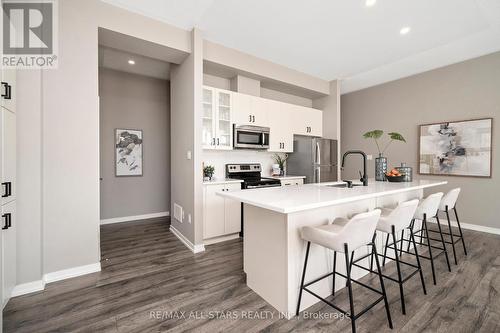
(219, 159)
(71, 143)
(59, 140)
(228, 84)
(29, 179)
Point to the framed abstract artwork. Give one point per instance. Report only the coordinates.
(458, 148)
(128, 152)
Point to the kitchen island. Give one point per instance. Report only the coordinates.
(273, 251)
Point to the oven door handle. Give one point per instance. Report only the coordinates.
(263, 186)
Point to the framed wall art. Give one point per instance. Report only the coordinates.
(457, 148)
(128, 152)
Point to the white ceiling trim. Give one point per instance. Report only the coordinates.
(474, 46)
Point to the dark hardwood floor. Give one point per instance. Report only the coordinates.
(147, 275)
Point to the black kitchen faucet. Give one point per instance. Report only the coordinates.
(364, 177)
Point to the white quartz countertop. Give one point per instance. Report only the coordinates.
(287, 177)
(221, 181)
(288, 199)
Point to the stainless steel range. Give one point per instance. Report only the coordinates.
(250, 173)
(251, 176)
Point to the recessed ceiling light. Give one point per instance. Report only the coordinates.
(370, 3)
(131, 62)
(404, 30)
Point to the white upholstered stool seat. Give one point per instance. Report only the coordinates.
(356, 232)
(429, 206)
(428, 209)
(448, 204)
(345, 236)
(392, 222)
(400, 217)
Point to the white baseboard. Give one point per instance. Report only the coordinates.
(221, 239)
(194, 248)
(468, 226)
(134, 218)
(72, 272)
(28, 288)
(39, 285)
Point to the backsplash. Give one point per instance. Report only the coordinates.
(219, 159)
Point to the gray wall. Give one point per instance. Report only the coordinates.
(186, 91)
(461, 91)
(137, 102)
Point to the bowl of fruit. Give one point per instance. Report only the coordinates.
(395, 176)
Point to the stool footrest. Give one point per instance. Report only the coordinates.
(327, 302)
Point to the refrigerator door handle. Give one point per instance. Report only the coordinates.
(318, 153)
(317, 174)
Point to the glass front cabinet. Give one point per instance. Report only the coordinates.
(217, 117)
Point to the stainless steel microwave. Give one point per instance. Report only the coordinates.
(250, 137)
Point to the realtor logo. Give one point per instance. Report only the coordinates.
(29, 34)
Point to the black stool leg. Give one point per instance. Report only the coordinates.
(460, 230)
(401, 247)
(303, 277)
(412, 236)
(387, 310)
(424, 223)
(411, 231)
(444, 244)
(349, 287)
(350, 264)
(385, 250)
(334, 271)
(400, 279)
(451, 235)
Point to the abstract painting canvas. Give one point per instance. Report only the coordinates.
(128, 152)
(459, 148)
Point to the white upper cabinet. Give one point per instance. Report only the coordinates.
(307, 121)
(281, 124)
(8, 89)
(222, 109)
(250, 110)
(217, 119)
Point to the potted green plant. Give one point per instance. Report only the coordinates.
(208, 171)
(381, 160)
(281, 161)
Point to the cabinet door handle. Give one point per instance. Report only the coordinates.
(218, 142)
(8, 90)
(213, 141)
(253, 117)
(8, 189)
(250, 118)
(7, 220)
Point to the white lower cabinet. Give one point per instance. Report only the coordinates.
(288, 182)
(221, 217)
(8, 253)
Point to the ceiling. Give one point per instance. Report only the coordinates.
(119, 60)
(341, 39)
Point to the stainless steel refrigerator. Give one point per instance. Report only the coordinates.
(315, 158)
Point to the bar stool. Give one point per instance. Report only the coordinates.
(428, 208)
(392, 221)
(449, 202)
(343, 236)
